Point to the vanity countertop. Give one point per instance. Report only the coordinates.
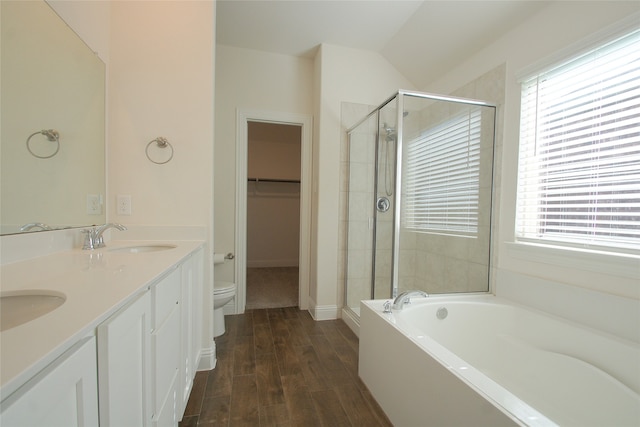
(96, 284)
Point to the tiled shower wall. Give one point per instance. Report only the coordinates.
(357, 168)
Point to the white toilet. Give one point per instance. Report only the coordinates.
(223, 292)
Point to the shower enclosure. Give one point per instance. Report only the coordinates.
(420, 170)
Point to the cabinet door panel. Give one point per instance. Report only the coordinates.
(191, 324)
(167, 354)
(124, 366)
(64, 394)
(167, 413)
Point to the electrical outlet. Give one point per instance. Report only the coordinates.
(94, 204)
(124, 204)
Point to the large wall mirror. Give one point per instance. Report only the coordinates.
(52, 123)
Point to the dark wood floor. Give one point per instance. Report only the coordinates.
(278, 367)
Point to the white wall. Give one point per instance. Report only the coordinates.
(342, 75)
(559, 28)
(274, 151)
(249, 79)
(90, 20)
(160, 83)
(271, 82)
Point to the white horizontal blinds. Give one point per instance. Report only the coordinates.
(441, 182)
(579, 176)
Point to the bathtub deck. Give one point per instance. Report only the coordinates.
(415, 390)
(464, 352)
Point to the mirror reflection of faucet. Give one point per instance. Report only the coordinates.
(94, 239)
(35, 225)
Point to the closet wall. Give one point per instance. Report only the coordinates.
(273, 195)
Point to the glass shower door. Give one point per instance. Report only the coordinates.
(360, 202)
(445, 216)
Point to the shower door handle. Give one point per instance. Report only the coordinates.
(383, 204)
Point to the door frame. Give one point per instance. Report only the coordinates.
(243, 117)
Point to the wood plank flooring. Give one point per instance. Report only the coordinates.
(278, 367)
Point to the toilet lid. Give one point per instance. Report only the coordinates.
(223, 287)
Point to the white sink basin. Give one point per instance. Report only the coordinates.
(143, 248)
(17, 308)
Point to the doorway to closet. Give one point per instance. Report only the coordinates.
(305, 124)
(273, 214)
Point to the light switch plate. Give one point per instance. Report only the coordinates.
(94, 204)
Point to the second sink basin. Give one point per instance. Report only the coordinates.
(22, 307)
(143, 248)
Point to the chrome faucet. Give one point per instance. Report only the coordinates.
(94, 239)
(405, 298)
(32, 225)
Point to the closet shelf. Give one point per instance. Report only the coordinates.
(292, 181)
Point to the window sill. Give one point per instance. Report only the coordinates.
(622, 265)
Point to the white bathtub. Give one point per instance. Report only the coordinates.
(490, 362)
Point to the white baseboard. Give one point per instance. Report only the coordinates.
(207, 358)
(352, 321)
(324, 312)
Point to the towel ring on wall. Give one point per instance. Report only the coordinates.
(52, 135)
(161, 142)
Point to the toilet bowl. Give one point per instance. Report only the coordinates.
(223, 292)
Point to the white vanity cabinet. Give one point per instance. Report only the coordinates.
(65, 393)
(138, 358)
(148, 352)
(124, 365)
(135, 368)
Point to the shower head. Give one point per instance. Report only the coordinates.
(390, 132)
(391, 136)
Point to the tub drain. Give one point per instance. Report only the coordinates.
(442, 313)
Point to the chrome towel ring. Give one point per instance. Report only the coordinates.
(52, 135)
(161, 142)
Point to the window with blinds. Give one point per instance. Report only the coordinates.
(579, 167)
(442, 175)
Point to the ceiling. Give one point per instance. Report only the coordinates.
(422, 39)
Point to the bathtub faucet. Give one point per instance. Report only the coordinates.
(405, 298)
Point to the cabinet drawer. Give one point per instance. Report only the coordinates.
(166, 294)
